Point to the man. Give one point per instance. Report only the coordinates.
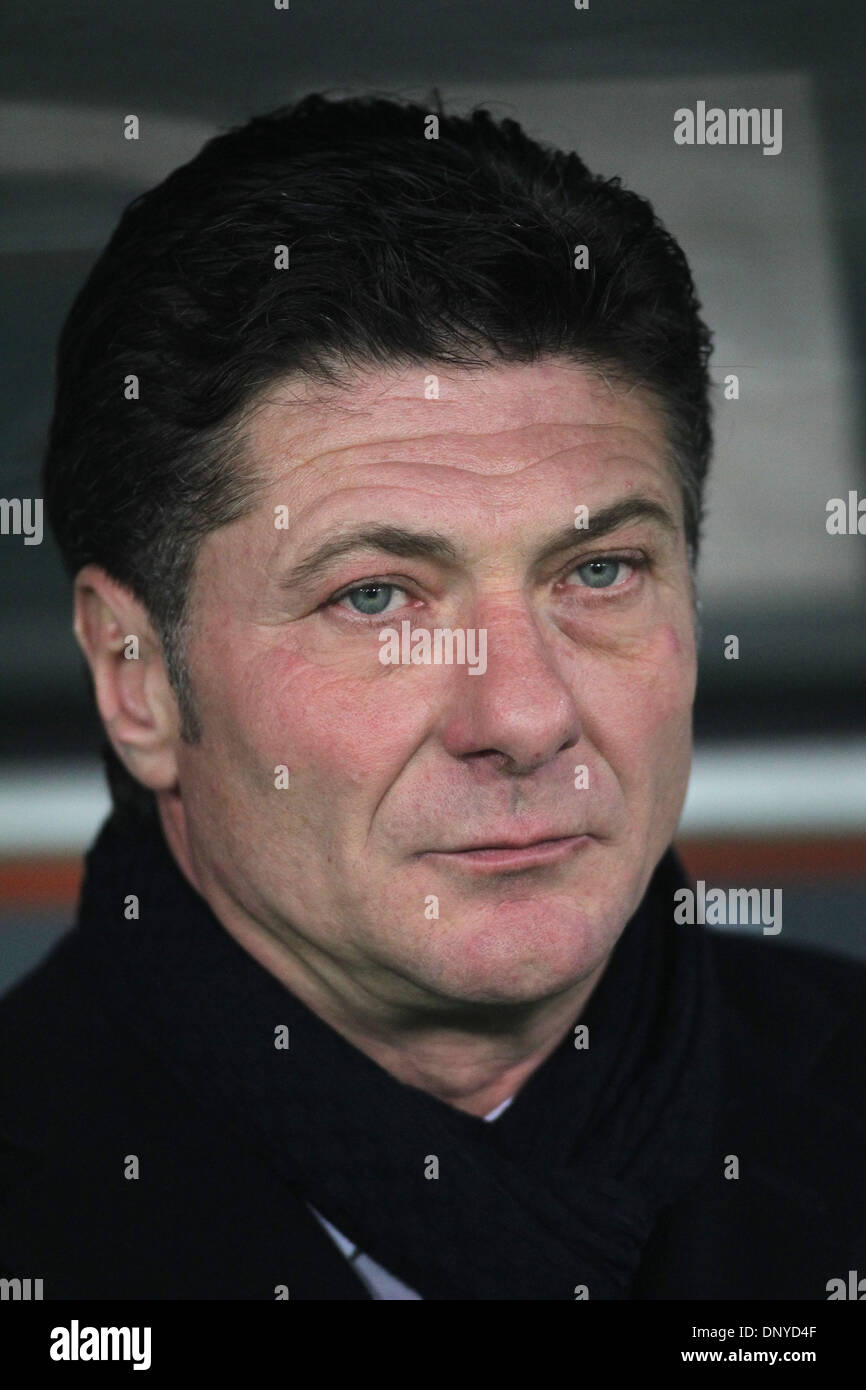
(377, 460)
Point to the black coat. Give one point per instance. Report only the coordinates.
(214, 1221)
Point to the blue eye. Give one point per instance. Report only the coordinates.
(600, 574)
(370, 598)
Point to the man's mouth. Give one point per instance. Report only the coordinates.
(498, 857)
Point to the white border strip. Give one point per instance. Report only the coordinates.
(736, 788)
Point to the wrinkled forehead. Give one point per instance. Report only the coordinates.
(495, 421)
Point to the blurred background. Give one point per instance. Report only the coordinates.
(776, 243)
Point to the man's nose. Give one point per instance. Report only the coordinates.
(522, 707)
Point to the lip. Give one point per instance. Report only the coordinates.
(496, 858)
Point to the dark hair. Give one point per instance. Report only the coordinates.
(404, 249)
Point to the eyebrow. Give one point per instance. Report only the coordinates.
(433, 545)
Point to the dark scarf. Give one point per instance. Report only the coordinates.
(562, 1190)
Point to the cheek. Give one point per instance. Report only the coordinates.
(675, 663)
(666, 721)
(327, 724)
(642, 707)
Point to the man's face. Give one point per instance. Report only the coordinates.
(578, 729)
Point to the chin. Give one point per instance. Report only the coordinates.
(521, 952)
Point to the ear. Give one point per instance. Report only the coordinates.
(133, 692)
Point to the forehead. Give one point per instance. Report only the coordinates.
(499, 422)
